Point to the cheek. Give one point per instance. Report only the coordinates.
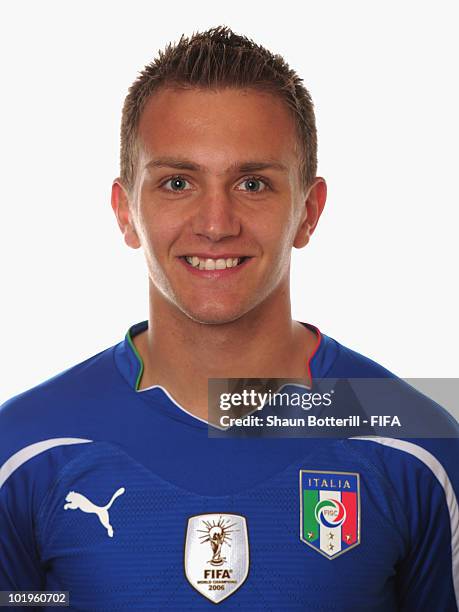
(158, 232)
(276, 237)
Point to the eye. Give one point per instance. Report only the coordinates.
(254, 184)
(176, 183)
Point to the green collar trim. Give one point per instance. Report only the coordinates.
(139, 358)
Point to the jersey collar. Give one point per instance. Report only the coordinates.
(131, 366)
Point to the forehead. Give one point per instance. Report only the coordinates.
(215, 127)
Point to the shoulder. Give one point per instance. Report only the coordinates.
(53, 407)
(338, 360)
(426, 446)
(417, 458)
(376, 390)
(42, 430)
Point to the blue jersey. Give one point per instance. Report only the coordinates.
(120, 497)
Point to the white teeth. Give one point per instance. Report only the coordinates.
(212, 264)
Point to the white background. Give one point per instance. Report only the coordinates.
(381, 272)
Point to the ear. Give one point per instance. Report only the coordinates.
(314, 203)
(122, 210)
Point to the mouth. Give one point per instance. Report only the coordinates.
(210, 264)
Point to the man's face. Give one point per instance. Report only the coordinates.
(217, 204)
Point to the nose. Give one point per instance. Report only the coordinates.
(216, 217)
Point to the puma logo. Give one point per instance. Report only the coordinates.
(77, 501)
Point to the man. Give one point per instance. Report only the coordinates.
(111, 486)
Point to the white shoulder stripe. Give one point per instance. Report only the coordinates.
(440, 474)
(30, 451)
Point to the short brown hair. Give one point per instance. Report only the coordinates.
(219, 58)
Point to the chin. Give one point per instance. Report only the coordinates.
(213, 316)
(212, 319)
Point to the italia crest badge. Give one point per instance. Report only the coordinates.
(330, 511)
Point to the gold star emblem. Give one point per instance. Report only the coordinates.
(330, 547)
(348, 537)
(310, 535)
(331, 536)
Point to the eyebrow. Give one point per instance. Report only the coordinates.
(185, 164)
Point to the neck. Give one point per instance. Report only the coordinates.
(181, 354)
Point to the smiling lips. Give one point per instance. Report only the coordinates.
(209, 263)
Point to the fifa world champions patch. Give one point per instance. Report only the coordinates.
(216, 554)
(330, 511)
